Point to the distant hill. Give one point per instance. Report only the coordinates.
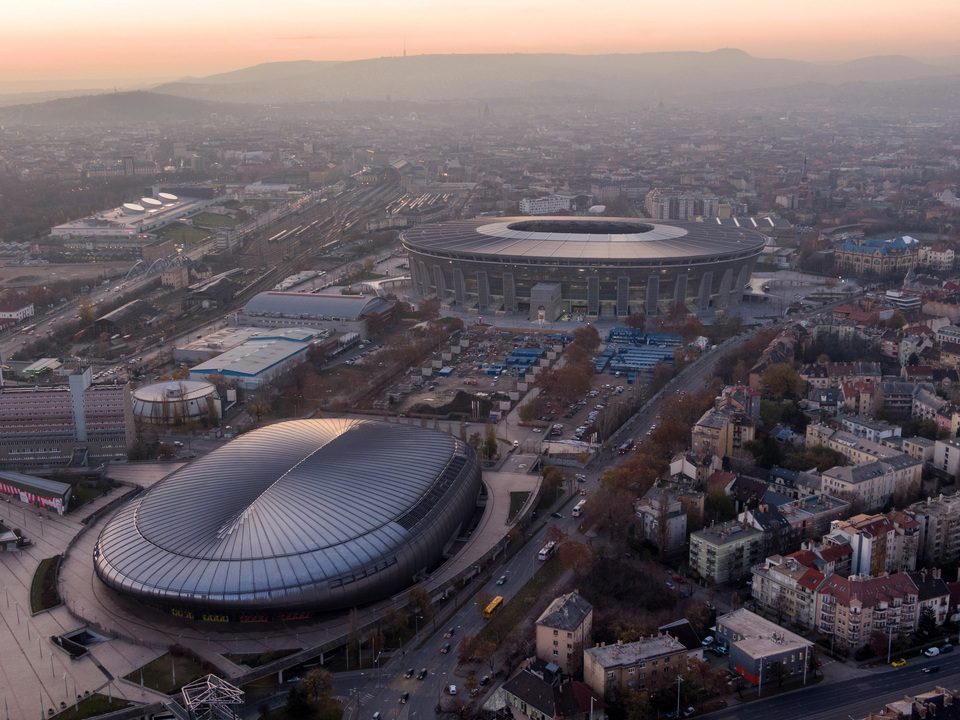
(672, 75)
(723, 77)
(124, 107)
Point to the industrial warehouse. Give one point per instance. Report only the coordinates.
(297, 518)
(599, 267)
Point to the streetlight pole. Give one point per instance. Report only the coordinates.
(889, 640)
(679, 680)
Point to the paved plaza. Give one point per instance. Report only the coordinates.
(35, 672)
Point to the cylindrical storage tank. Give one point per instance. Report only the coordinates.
(175, 401)
(133, 209)
(150, 203)
(167, 198)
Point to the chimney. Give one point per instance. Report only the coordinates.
(619, 643)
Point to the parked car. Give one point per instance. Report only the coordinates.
(946, 648)
(707, 641)
(899, 662)
(485, 679)
(453, 689)
(932, 652)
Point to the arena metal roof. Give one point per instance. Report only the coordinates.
(583, 238)
(314, 305)
(252, 358)
(281, 515)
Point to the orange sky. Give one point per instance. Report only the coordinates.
(63, 41)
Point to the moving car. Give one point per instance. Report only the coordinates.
(899, 662)
(404, 697)
(445, 649)
(931, 669)
(556, 515)
(449, 633)
(422, 674)
(501, 580)
(409, 673)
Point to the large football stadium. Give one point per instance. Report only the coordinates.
(600, 267)
(294, 519)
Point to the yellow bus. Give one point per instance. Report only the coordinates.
(493, 607)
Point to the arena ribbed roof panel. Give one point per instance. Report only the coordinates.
(583, 238)
(314, 514)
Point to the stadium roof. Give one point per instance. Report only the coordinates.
(282, 515)
(583, 238)
(313, 305)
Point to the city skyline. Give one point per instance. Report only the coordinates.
(61, 44)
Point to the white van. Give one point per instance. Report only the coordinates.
(453, 689)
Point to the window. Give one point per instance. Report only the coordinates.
(555, 653)
(609, 674)
(632, 671)
(556, 632)
(569, 635)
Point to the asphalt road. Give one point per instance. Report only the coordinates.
(851, 698)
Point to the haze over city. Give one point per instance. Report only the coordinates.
(64, 44)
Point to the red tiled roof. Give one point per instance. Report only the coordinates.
(811, 579)
(805, 558)
(835, 552)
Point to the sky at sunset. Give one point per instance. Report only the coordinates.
(51, 43)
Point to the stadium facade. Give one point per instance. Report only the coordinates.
(601, 267)
(293, 519)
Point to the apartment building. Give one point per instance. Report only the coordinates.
(851, 608)
(726, 552)
(564, 630)
(664, 519)
(871, 484)
(81, 423)
(879, 544)
(786, 591)
(649, 664)
(864, 426)
(946, 456)
(721, 431)
(939, 529)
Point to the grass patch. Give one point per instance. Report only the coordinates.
(519, 607)
(184, 234)
(158, 674)
(209, 219)
(43, 588)
(92, 706)
(252, 660)
(84, 493)
(517, 500)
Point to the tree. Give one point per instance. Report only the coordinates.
(490, 446)
(576, 556)
(465, 648)
(429, 309)
(587, 337)
(483, 600)
(553, 480)
(927, 622)
(636, 321)
(420, 601)
(297, 707)
(781, 380)
(85, 310)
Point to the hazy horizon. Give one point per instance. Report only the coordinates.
(76, 45)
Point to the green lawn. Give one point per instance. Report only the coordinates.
(158, 674)
(507, 618)
(184, 234)
(83, 493)
(43, 588)
(517, 500)
(92, 707)
(208, 219)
